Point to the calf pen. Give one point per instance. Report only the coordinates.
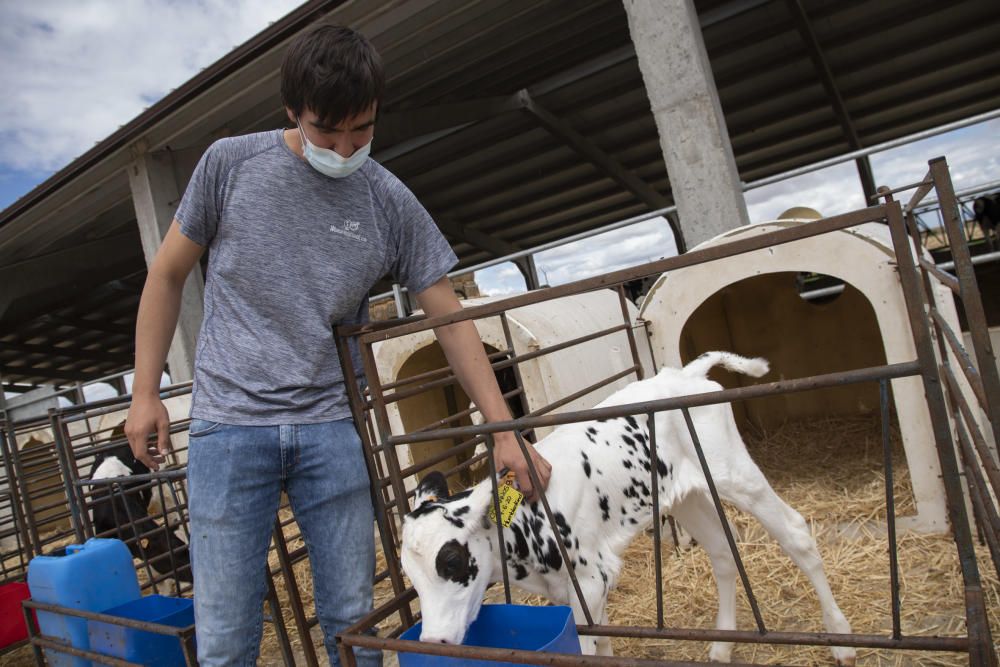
(937, 350)
(287, 639)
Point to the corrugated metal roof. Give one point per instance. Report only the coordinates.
(454, 131)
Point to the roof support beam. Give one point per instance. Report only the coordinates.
(62, 376)
(597, 156)
(73, 353)
(495, 246)
(35, 283)
(818, 58)
(85, 324)
(416, 122)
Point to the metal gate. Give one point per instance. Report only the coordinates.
(949, 409)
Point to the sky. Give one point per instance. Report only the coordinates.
(73, 72)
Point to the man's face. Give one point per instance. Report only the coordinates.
(345, 137)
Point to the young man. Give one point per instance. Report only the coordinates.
(301, 224)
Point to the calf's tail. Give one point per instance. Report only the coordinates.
(699, 367)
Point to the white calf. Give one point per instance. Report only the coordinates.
(600, 497)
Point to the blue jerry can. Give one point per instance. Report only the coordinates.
(94, 576)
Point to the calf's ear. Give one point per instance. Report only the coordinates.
(432, 487)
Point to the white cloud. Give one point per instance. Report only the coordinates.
(72, 72)
(973, 155)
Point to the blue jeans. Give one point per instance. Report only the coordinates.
(235, 478)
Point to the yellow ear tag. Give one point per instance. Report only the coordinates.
(510, 500)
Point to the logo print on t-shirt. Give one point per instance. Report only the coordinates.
(349, 229)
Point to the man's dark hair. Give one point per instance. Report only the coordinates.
(333, 71)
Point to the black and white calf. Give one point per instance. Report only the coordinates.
(600, 496)
(124, 513)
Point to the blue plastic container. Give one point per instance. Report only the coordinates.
(521, 627)
(146, 648)
(91, 577)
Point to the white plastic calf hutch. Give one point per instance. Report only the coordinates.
(546, 378)
(751, 304)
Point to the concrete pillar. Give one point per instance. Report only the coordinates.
(155, 194)
(685, 104)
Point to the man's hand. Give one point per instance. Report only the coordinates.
(145, 416)
(507, 454)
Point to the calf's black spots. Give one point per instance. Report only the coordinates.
(586, 464)
(562, 525)
(552, 558)
(520, 543)
(605, 508)
(454, 563)
(520, 571)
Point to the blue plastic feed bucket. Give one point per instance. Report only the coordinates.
(511, 626)
(146, 648)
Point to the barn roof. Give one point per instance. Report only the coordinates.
(492, 113)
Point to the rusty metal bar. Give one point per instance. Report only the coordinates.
(980, 644)
(35, 542)
(984, 509)
(581, 393)
(511, 655)
(433, 374)
(382, 612)
(292, 589)
(949, 281)
(657, 556)
(570, 568)
(779, 237)
(463, 413)
(965, 362)
(528, 356)
(148, 626)
(723, 519)
(972, 302)
(17, 510)
(380, 499)
(68, 649)
(988, 463)
(957, 644)
(890, 510)
(516, 367)
(501, 540)
(30, 622)
(382, 420)
(280, 629)
(511, 360)
(628, 332)
(63, 449)
(925, 186)
(990, 520)
(435, 459)
(871, 374)
(399, 394)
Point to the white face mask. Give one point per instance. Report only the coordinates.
(330, 163)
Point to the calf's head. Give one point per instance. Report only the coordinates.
(448, 555)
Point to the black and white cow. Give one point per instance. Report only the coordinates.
(111, 511)
(987, 215)
(601, 499)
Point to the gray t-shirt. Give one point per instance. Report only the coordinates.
(291, 250)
